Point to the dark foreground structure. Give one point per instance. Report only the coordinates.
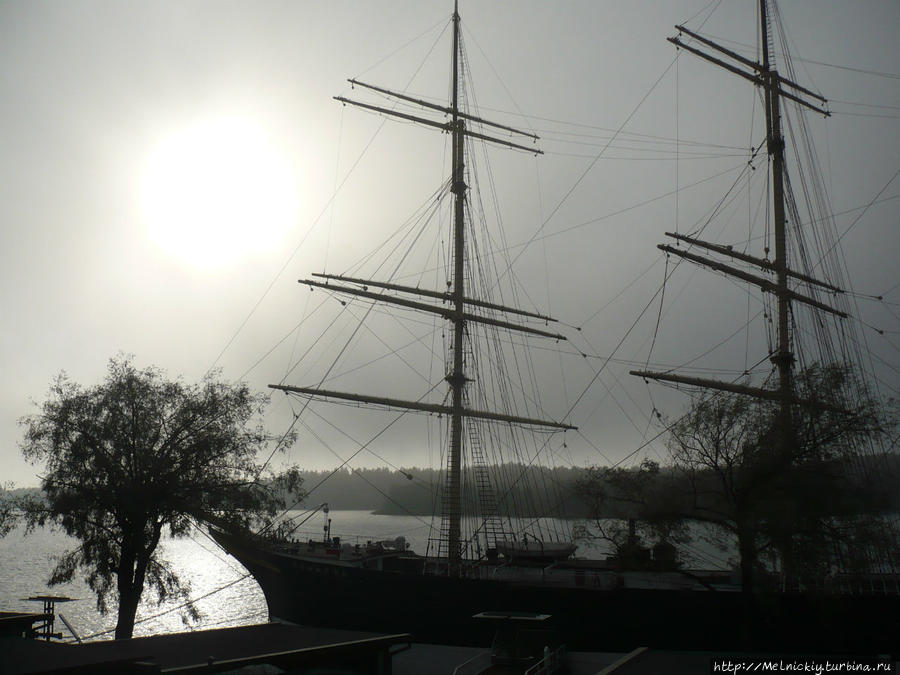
(272, 648)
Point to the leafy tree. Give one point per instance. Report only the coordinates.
(139, 454)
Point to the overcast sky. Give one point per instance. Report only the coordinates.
(167, 170)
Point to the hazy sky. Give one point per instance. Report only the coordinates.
(162, 163)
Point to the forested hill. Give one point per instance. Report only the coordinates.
(536, 491)
(414, 491)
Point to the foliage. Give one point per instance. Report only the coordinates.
(812, 502)
(787, 494)
(632, 510)
(9, 509)
(138, 454)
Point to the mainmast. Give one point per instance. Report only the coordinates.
(457, 376)
(774, 88)
(460, 310)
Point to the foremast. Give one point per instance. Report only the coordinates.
(458, 313)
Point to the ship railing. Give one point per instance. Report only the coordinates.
(553, 662)
(477, 664)
(556, 577)
(881, 584)
(845, 584)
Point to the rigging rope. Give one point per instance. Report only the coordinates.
(593, 163)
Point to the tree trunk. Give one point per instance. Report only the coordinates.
(746, 537)
(131, 575)
(128, 604)
(747, 551)
(129, 593)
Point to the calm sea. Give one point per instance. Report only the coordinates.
(223, 592)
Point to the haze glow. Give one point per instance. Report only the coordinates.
(216, 191)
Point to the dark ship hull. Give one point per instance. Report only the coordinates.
(392, 593)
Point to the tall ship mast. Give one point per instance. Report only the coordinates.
(458, 308)
(774, 87)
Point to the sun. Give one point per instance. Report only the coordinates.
(217, 191)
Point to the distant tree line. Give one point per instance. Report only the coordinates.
(416, 491)
(520, 491)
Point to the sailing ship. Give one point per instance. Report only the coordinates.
(476, 569)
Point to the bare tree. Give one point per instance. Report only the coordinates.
(632, 510)
(793, 499)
